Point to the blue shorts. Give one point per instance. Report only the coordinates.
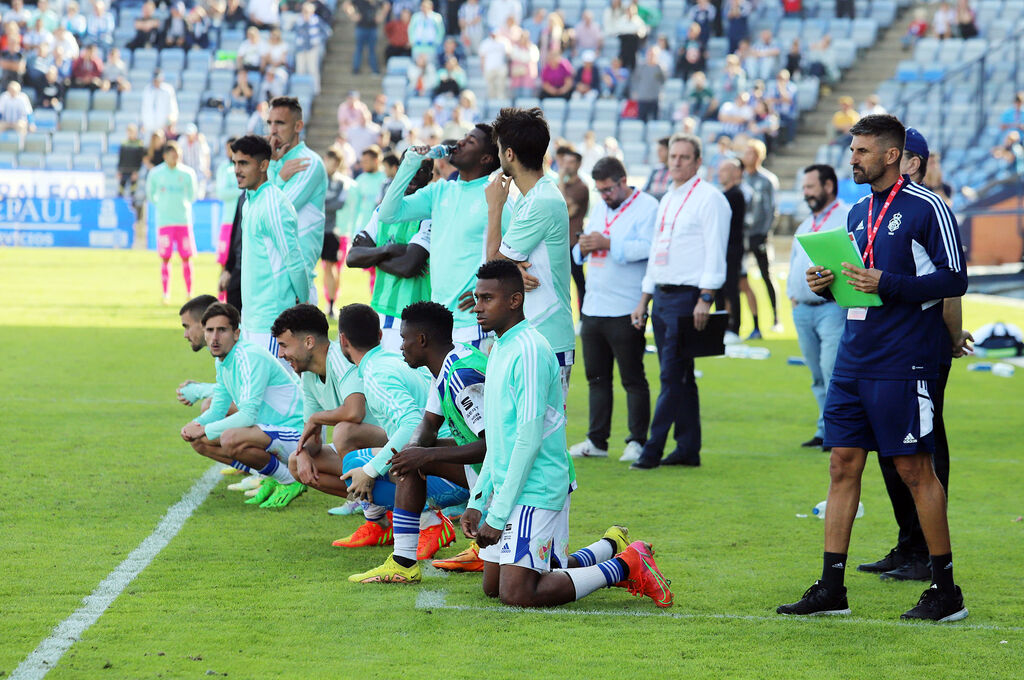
(893, 417)
(440, 492)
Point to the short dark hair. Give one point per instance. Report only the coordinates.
(171, 146)
(664, 141)
(884, 126)
(608, 167)
(372, 150)
(566, 150)
(490, 148)
(254, 146)
(922, 168)
(505, 272)
(290, 103)
(301, 320)
(232, 139)
(826, 173)
(423, 176)
(526, 132)
(196, 306)
(435, 319)
(390, 159)
(360, 324)
(222, 309)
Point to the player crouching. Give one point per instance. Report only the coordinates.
(264, 431)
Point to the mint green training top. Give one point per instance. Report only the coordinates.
(341, 380)
(227, 190)
(274, 274)
(172, 192)
(458, 234)
(307, 191)
(524, 418)
(260, 387)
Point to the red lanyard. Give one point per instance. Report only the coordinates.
(676, 216)
(816, 225)
(608, 225)
(869, 250)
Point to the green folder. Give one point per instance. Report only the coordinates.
(829, 249)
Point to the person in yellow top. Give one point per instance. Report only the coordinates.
(843, 120)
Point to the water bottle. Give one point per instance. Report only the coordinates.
(760, 353)
(819, 510)
(979, 366)
(440, 151)
(1003, 370)
(737, 351)
(795, 361)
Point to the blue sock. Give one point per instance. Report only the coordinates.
(407, 535)
(241, 466)
(271, 467)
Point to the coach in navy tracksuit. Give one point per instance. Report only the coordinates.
(880, 397)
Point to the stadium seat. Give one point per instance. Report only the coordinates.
(193, 82)
(632, 132)
(86, 161)
(172, 59)
(222, 80)
(527, 102)
(301, 85)
(10, 142)
(603, 127)
(8, 160)
(104, 101)
(45, 119)
(131, 101)
(77, 99)
(145, 59)
(658, 129)
(109, 163)
(72, 121)
(574, 130)
(210, 122)
(57, 161)
(31, 160)
(580, 110)
(235, 121)
(93, 142)
(64, 141)
(198, 60)
(554, 109)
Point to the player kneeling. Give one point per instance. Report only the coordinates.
(264, 431)
(526, 471)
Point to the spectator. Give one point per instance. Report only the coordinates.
(36, 36)
(63, 39)
(471, 25)
(782, 98)
(701, 98)
(51, 90)
(43, 13)
(249, 54)
(766, 124)
(846, 8)
(702, 13)
(350, 111)
(429, 131)
(659, 179)
(63, 65)
(365, 134)
(722, 150)
(666, 58)
(645, 84)
(587, 84)
(274, 84)
(422, 75)
(872, 106)
(943, 21)
(616, 78)
(115, 71)
(397, 33)
(380, 109)
(734, 79)
(917, 29)
(198, 27)
(37, 64)
(500, 10)
(556, 78)
(87, 70)
(242, 94)
(523, 64)
(690, 57)
(591, 152)
(737, 17)
(588, 33)
(934, 181)
(467, 102)
(175, 29)
(625, 22)
(276, 54)
(367, 14)
(736, 115)
(74, 22)
(842, 120)
(397, 125)
(99, 26)
(458, 126)
(1010, 151)
(794, 58)
(554, 36)
(17, 14)
(764, 57)
(129, 161)
(426, 30)
(822, 61)
(450, 50)
(965, 20)
(257, 123)
(15, 109)
(234, 14)
(1013, 117)
(612, 149)
(494, 64)
(536, 25)
(12, 60)
(159, 105)
(147, 28)
(195, 153)
(264, 14)
(311, 35)
(450, 79)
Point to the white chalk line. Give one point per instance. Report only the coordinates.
(437, 599)
(49, 652)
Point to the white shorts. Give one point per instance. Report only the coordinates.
(268, 342)
(283, 440)
(474, 336)
(534, 538)
(390, 333)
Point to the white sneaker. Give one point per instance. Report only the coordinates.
(586, 449)
(732, 338)
(778, 328)
(631, 452)
(250, 482)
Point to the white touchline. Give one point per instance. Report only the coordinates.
(437, 599)
(49, 652)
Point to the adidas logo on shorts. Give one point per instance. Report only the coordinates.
(909, 439)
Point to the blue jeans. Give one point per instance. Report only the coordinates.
(366, 38)
(440, 492)
(819, 328)
(678, 405)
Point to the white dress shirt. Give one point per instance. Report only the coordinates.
(690, 236)
(796, 284)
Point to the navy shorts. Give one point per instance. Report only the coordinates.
(893, 417)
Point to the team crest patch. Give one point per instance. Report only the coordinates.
(894, 223)
(544, 551)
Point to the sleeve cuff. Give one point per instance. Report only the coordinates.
(371, 471)
(511, 253)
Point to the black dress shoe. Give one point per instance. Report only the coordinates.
(914, 569)
(813, 442)
(893, 560)
(679, 459)
(642, 463)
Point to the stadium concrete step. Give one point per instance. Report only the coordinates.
(874, 65)
(336, 79)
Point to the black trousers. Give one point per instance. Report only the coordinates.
(730, 291)
(580, 280)
(759, 248)
(911, 537)
(846, 8)
(607, 340)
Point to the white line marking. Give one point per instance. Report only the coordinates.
(436, 599)
(49, 652)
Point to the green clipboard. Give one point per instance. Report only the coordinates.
(829, 249)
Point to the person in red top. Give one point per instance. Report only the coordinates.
(87, 70)
(397, 33)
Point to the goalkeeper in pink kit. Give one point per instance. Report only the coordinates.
(171, 190)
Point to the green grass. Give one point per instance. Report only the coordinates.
(93, 460)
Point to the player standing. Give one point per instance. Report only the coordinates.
(171, 189)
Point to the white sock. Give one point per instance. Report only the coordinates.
(278, 470)
(586, 580)
(428, 519)
(595, 553)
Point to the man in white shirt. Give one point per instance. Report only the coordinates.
(685, 267)
(159, 104)
(264, 13)
(494, 64)
(15, 108)
(500, 10)
(615, 245)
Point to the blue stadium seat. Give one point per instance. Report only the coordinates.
(554, 109)
(908, 72)
(172, 59)
(210, 122)
(86, 161)
(235, 121)
(31, 160)
(8, 160)
(57, 161)
(580, 110)
(864, 31)
(222, 80)
(198, 60)
(10, 142)
(145, 59)
(45, 119)
(193, 81)
(657, 129)
(632, 132)
(574, 129)
(93, 142)
(104, 101)
(72, 121)
(131, 101)
(65, 141)
(77, 99)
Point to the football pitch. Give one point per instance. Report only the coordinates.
(93, 462)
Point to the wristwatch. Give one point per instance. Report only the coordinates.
(707, 297)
